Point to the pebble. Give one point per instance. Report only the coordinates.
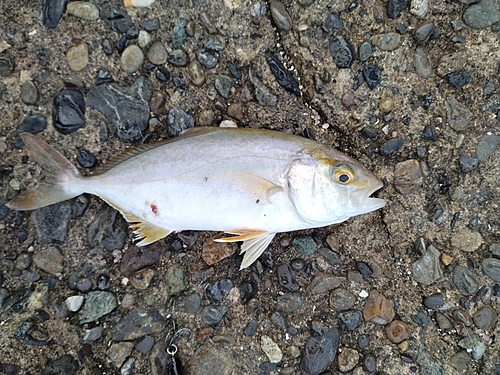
(378, 309)
(84, 284)
(386, 105)
(179, 33)
(429, 365)
(208, 24)
(282, 75)
(341, 50)
(213, 314)
(491, 267)
(108, 229)
(116, 18)
(319, 351)
(482, 14)
(139, 257)
(424, 31)
(333, 21)
(262, 93)
(97, 304)
(348, 358)
(219, 290)
(324, 282)
(125, 108)
(422, 62)
(466, 240)
(141, 279)
(178, 121)
(271, 349)
(178, 58)
(131, 59)
(442, 321)
(330, 256)
(485, 318)
(65, 365)
(83, 10)
(459, 80)
(426, 270)
(251, 328)
(206, 58)
(136, 324)
(78, 57)
(157, 53)
(289, 302)
(213, 252)
(6, 66)
(280, 16)
(391, 146)
(458, 115)
(53, 10)
(350, 320)
(157, 102)
(463, 317)
(235, 110)
(304, 244)
(248, 290)
(68, 111)
(286, 278)
(196, 73)
(434, 301)
(176, 280)
(341, 299)
(119, 352)
(74, 303)
(33, 124)
(209, 359)
(365, 51)
(23, 261)
(420, 318)
(466, 281)
(387, 42)
(395, 7)
(372, 76)
(93, 334)
(223, 85)
(487, 146)
(419, 8)
(86, 158)
(51, 222)
(145, 345)
(407, 176)
(29, 93)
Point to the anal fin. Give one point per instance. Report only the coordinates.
(145, 232)
(254, 244)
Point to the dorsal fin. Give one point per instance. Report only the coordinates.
(136, 150)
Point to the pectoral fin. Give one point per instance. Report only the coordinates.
(254, 244)
(255, 185)
(144, 231)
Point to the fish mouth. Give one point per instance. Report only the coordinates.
(371, 203)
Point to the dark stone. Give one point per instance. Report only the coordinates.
(351, 319)
(107, 47)
(121, 44)
(137, 323)
(342, 51)
(103, 76)
(51, 222)
(68, 111)
(178, 121)
(283, 76)
(213, 314)
(434, 301)
(65, 365)
(234, 70)
(391, 146)
(468, 163)
(395, 7)
(108, 229)
(369, 132)
(248, 290)
(178, 82)
(372, 76)
(53, 11)
(150, 25)
(458, 80)
(178, 58)
(364, 268)
(319, 352)
(116, 18)
(132, 33)
(219, 290)
(334, 22)
(429, 134)
(424, 31)
(251, 328)
(6, 66)
(162, 75)
(125, 108)
(138, 257)
(286, 278)
(206, 58)
(33, 125)
(86, 158)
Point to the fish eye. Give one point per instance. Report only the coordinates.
(343, 175)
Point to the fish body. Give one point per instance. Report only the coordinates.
(247, 182)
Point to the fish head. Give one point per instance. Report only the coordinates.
(328, 187)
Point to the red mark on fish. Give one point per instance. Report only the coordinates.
(154, 208)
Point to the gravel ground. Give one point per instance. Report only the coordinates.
(409, 88)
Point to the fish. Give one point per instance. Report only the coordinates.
(248, 183)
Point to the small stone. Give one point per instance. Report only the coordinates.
(136, 324)
(386, 105)
(442, 321)
(466, 281)
(407, 176)
(331, 256)
(280, 16)
(213, 314)
(485, 318)
(434, 301)
(53, 11)
(49, 260)
(131, 59)
(84, 284)
(424, 31)
(68, 111)
(350, 320)
(157, 102)
(462, 317)
(208, 24)
(223, 85)
(235, 110)
(372, 76)
(482, 14)
(97, 304)
(271, 349)
(378, 309)
(426, 270)
(319, 351)
(289, 302)
(458, 115)
(419, 7)
(116, 18)
(108, 230)
(86, 158)
(262, 93)
(83, 10)
(178, 58)
(78, 57)
(219, 290)
(179, 33)
(118, 352)
(29, 93)
(341, 299)
(176, 280)
(491, 267)
(365, 51)
(348, 358)
(196, 73)
(74, 303)
(341, 50)
(286, 278)
(422, 62)
(349, 100)
(141, 279)
(178, 121)
(282, 75)
(397, 331)
(391, 146)
(387, 42)
(395, 7)
(145, 345)
(487, 146)
(157, 53)
(67, 364)
(213, 252)
(32, 124)
(323, 283)
(466, 240)
(459, 80)
(304, 245)
(93, 334)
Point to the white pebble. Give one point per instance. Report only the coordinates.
(138, 3)
(74, 303)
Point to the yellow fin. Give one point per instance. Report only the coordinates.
(144, 231)
(254, 244)
(258, 186)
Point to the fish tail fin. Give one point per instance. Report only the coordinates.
(61, 177)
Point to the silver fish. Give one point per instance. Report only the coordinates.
(248, 183)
